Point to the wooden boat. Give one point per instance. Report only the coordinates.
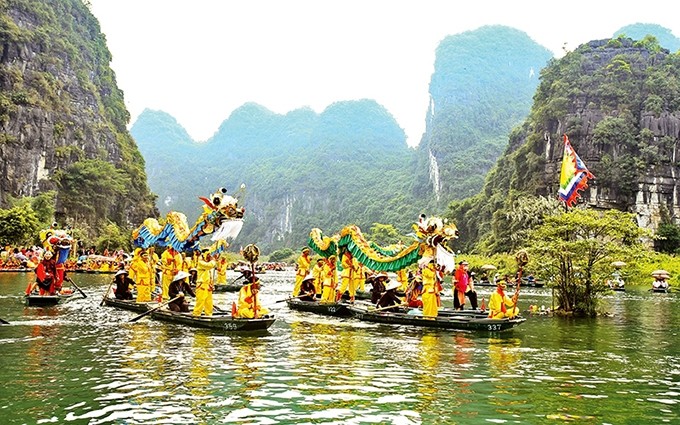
(130, 305)
(229, 287)
(35, 300)
(327, 309)
(446, 321)
(525, 284)
(618, 288)
(218, 321)
(661, 290)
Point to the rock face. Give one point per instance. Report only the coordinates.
(619, 103)
(60, 106)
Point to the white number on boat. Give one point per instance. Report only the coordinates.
(494, 327)
(230, 326)
(331, 309)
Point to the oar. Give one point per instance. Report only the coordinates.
(292, 298)
(388, 307)
(76, 286)
(106, 294)
(4, 322)
(134, 319)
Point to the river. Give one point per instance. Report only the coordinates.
(79, 363)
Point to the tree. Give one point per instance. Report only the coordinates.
(668, 238)
(18, 225)
(113, 237)
(575, 248)
(384, 234)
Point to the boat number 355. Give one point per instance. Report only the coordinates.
(494, 327)
(230, 326)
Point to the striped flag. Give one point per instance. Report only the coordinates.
(574, 175)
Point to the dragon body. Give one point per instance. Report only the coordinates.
(430, 235)
(221, 218)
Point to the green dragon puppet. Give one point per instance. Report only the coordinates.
(430, 234)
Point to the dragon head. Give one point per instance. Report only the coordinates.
(434, 230)
(225, 205)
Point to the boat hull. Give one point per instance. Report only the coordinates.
(454, 322)
(130, 305)
(326, 309)
(223, 322)
(227, 288)
(42, 300)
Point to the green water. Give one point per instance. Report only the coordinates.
(79, 363)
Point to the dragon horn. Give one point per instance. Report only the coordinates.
(207, 202)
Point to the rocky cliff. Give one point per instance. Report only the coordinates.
(618, 100)
(62, 117)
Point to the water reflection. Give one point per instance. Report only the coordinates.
(80, 363)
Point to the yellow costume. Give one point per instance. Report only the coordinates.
(498, 302)
(330, 280)
(317, 272)
(360, 276)
(171, 263)
(303, 264)
(248, 302)
(347, 276)
(402, 278)
(204, 286)
(430, 293)
(142, 273)
(222, 265)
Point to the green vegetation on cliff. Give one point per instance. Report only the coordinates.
(60, 104)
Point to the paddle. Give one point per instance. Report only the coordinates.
(388, 307)
(76, 286)
(106, 294)
(4, 322)
(292, 298)
(134, 319)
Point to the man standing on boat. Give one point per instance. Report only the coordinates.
(171, 263)
(330, 280)
(430, 292)
(460, 283)
(204, 284)
(501, 305)
(46, 272)
(317, 271)
(142, 273)
(304, 263)
(347, 277)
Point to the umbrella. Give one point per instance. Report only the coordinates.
(618, 264)
(660, 273)
(488, 267)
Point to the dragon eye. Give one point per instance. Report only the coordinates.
(223, 190)
(217, 200)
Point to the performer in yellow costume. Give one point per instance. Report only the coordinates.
(248, 303)
(402, 278)
(430, 292)
(142, 272)
(347, 277)
(222, 265)
(501, 305)
(303, 265)
(171, 263)
(317, 272)
(330, 280)
(204, 284)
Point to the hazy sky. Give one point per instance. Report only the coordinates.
(198, 60)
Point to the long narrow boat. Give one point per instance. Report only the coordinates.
(458, 322)
(130, 305)
(661, 290)
(229, 287)
(219, 321)
(34, 300)
(327, 309)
